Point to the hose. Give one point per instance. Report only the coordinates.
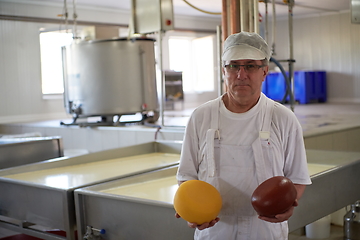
(287, 80)
(207, 12)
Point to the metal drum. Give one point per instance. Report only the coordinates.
(110, 77)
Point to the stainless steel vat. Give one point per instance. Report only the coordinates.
(20, 151)
(331, 189)
(110, 77)
(42, 194)
(335, 177)
(131, 217)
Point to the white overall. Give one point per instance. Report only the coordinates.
(236, 171)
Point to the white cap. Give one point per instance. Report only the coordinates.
(245, 45)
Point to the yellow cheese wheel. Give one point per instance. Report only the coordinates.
(197, 201)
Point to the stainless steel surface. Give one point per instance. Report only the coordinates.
(129, 217)
(335, 177)
(355, 11)
(150, 16)
(331, 190)
(53, 207)
(352, 222)
(20, 151)
(110, 77)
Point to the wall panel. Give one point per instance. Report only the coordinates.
(326, 42)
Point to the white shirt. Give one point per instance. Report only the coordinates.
(242, 129)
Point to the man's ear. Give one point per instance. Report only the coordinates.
(265, 71)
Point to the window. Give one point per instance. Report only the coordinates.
(195, 58)
(51, 60)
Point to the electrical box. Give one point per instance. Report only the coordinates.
(355, 11)
(152, 15)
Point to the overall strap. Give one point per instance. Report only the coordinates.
(265, 128)
(262, 170)
(212, 134)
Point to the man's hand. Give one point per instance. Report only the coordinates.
(202, 226)
(281, 217)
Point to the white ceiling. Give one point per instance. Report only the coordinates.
(301, 8)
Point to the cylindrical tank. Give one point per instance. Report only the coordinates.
(352, 222)
(110, 77)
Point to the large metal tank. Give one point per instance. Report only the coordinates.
(110, 77)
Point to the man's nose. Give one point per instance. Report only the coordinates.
(241, 71)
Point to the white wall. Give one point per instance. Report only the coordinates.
(20, 91)
(326, 42)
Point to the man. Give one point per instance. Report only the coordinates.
(239, 140)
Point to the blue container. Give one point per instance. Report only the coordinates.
(275, 86)
(309, 86)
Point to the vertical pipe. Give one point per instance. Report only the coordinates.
(225, 34)
(256, 16)
(234, 16)
(219, 51)
(75, 36)
(66, 16)
(266, 22)
(244, 14)
(273, 28)
(251, 16)
(224, 21)
(291, 51)
(162, 79)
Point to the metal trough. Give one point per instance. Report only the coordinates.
(20, 151)
(123, 211)
(332, 189)
(42, 194)
(138, 207)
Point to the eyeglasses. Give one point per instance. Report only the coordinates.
(249, 68)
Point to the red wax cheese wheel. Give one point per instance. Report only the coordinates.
(274, 196)
(197, 201)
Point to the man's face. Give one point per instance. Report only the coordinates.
(244, 82)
